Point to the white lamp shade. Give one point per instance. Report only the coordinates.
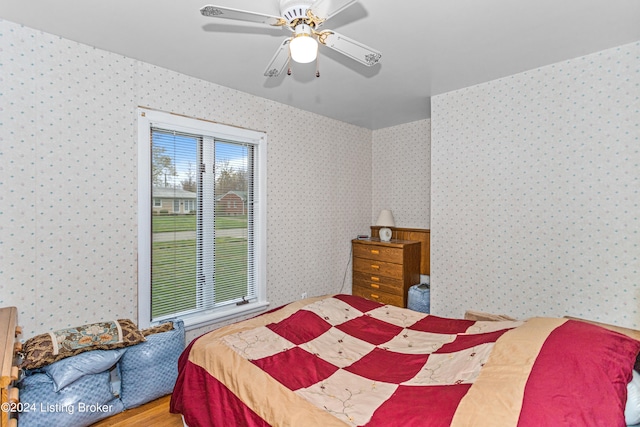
(303, 47)
(385, 219)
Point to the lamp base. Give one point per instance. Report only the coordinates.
(385, 234)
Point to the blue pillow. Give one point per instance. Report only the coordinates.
(80, 404)
(66, 371)
(149, 370)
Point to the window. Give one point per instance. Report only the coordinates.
(199, 262)
(157, 203)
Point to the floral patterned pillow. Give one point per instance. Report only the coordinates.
(47, 348)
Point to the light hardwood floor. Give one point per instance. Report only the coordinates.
(155, 413)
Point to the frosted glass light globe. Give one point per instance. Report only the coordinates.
(303, 47)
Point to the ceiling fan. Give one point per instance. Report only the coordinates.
(304, 18)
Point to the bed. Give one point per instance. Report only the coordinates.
(345, 361)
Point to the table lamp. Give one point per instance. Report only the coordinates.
(385, 220)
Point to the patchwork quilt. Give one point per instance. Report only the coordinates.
(343, 360)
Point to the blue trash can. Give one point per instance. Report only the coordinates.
(419, 298)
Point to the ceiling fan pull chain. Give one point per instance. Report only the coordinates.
(317, 66)
(289, 64)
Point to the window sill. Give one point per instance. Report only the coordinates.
(204, 319)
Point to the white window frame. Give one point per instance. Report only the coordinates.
(147, 118)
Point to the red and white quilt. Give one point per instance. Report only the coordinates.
(344, 360)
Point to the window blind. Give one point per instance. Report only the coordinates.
(202, 233)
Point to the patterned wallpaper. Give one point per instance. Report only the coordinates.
(401, 173)
(68, 180)
(534, 184)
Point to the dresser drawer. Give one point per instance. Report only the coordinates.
(377, 252)
(381, 297)
(392, 285)
(378, 287)
(378, 268)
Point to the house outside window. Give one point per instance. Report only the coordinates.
(199, 262)
(170, 197)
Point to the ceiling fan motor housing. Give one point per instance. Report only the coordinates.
(294, 9)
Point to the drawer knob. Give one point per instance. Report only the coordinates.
(375, 286)
(375, 251)
(18, 330)
(375, 296)
(17, 347)
(15, 373)
(375, 278)
(375, 266)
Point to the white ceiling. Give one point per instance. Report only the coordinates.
(428, 47)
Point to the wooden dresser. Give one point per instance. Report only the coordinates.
(9, 346)
(384, 271)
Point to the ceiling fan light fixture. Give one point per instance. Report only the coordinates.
(303, 18)
(303, 46)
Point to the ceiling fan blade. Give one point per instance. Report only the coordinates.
(279, 60)
(241, 15)
(325, 9)
(349, 47)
